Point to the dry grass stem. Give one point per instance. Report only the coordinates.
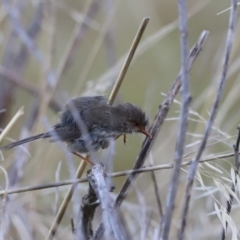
(79, 30)
(194, 165)
(26, 39)
(82, 180)
(99, 181)
(234, 183)
(83, 164)
(184, 178)
(113, 175)
(183, 122)
(92, 55)
(4, 133)
(27, 85)
(4, 199)
(157, 124)
(156, 189)
(128, 60)
(145, 46)
(88, 207)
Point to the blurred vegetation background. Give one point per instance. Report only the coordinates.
(105, 30)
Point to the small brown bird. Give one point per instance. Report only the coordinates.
(88, 124)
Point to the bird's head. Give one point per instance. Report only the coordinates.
(134, 119)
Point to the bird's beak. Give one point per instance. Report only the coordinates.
(145, 132)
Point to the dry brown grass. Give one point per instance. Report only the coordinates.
(53, 51)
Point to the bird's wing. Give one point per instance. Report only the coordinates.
(82, 103)
(94, 116)
(76, 108)
(97, 118)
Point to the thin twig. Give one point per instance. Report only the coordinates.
(73, 43)
(128, 60)
(19, 113)
(113, 175)
(15, 58)
(77, 35)
(57, 173)
(109, 39)
(26, 38)
(183, 122)
(4, 199)
(159, 203)
(18, 80)
(65, 202)
(20, 157)
(97, 178)
(156, 126)
(234, 184)
(16, 171)
(82, 165)
(73, 226)
(103, 82)
(148, 224)
(82, 180)
(194, 165)
(26, 85)
(236, 152)
(156, 190)
(160, 117)
(88, 208)
(74, 40)
(96, 46)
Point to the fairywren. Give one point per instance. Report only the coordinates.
(89, 123)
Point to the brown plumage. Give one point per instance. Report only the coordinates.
(89, 123)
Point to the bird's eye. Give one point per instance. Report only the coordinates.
(136, 124)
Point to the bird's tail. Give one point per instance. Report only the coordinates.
(20, 142)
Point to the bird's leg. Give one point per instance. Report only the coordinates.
(124, 138)
(83, 158)
(117, 137)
